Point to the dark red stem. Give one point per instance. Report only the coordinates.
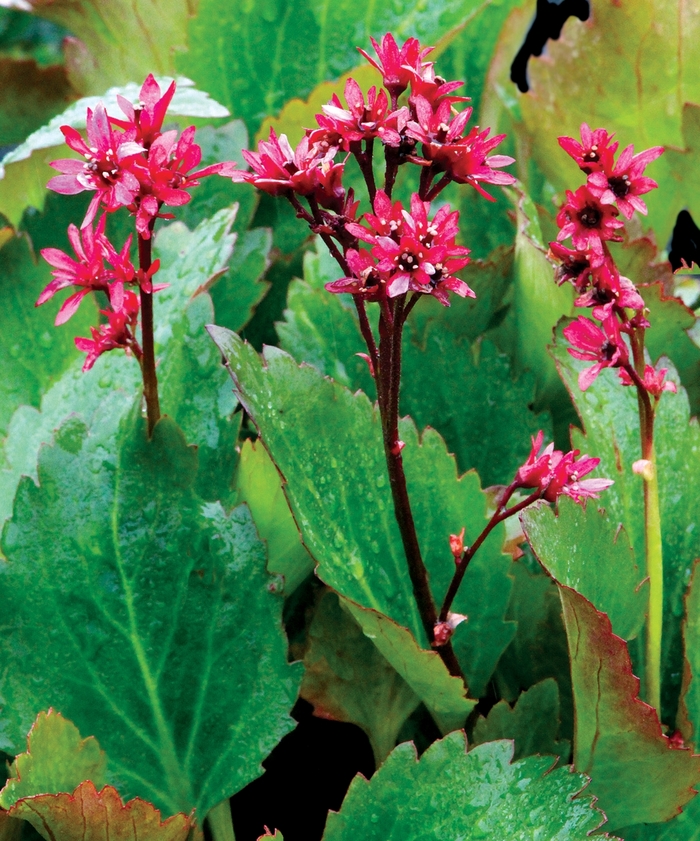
(499, 516)
(148, 359)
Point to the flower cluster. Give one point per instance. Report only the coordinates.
(590, 218)
(554, 473)
(409, 252)
(127, 163)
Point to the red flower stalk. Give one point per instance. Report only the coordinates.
(595, 152)
(119, 332)
(654, 381)
(605, 347)
(625, 182)
(397, 66)
(588, 222)
(556, 473)
(106, 169)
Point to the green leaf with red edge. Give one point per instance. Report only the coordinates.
(33, 353)
(57, 760)
(328, 450)
(533, 723)
(258, 484)
(145, 615)
(88, 814)
(582, 549)
(449, 793)
(640, 96)
(610, 418)
(347, 679)
(636, 772)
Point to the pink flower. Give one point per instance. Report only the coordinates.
(605, 347)
(554, 473)
(437, 128)
(87, 272)
(146, 119)
(397, 66)
(433, 88)
(387, 220)
(610, 290)
(588, 222)
(594, 153)
(106, 169)
(467, 161)
(654, 381)
(117, 333)
(626, 181)
(360, 122)
(575, 266)
(366, 280)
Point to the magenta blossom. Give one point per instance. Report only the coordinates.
(595, 152)
(397, 66)
(588, 222)
(605, 346)
(655, 381)
(387, 220)
(366, 280)
(117, 333)
(626, 181)
(88, 272)
(467, 161)
(360, 122)
(106, 169)
(145, 120)
(554, 473)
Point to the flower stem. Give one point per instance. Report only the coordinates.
(220, 822)
(148, 360)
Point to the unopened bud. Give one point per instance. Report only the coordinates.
(644, 468)
(457, 545)
(398, 446)
(443, 631)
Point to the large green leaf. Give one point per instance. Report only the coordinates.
(88, 815)
(190, 260)
(533, 723)
(24, 171)
(640, 95)
(449, 793)
(636, 772)
(255, 57)
(691, 644)
(144, 615)
(33, 352)
(258, 484)
(57, 759)
(328, 449)
(610, 417)
(684, 827)
(582, 549)
(347, 679)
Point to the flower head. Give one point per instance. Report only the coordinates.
(625, 182)
(588, 222)
(397, 66)
(117, 333)
(595, 152)
(605, 346)
(655, 381)
(145, 120)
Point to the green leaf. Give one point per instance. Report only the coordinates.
(610, 417)
(86, 814)
(145, 616)
(258, 484)
(539, 649)
(533, 723)
(24, 171)
(119, 43)
(233, 56)
(449, 793)
(690, 700)
(640, 96)
(240, 290)
(328, 450)
(582, 549)
(347, 679)
(684, 827)
(57, 759)
(422, 670)
(33, 352)
(636, 773)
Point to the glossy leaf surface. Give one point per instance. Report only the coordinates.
(635, 771)
(481, 795)
(171, 647)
